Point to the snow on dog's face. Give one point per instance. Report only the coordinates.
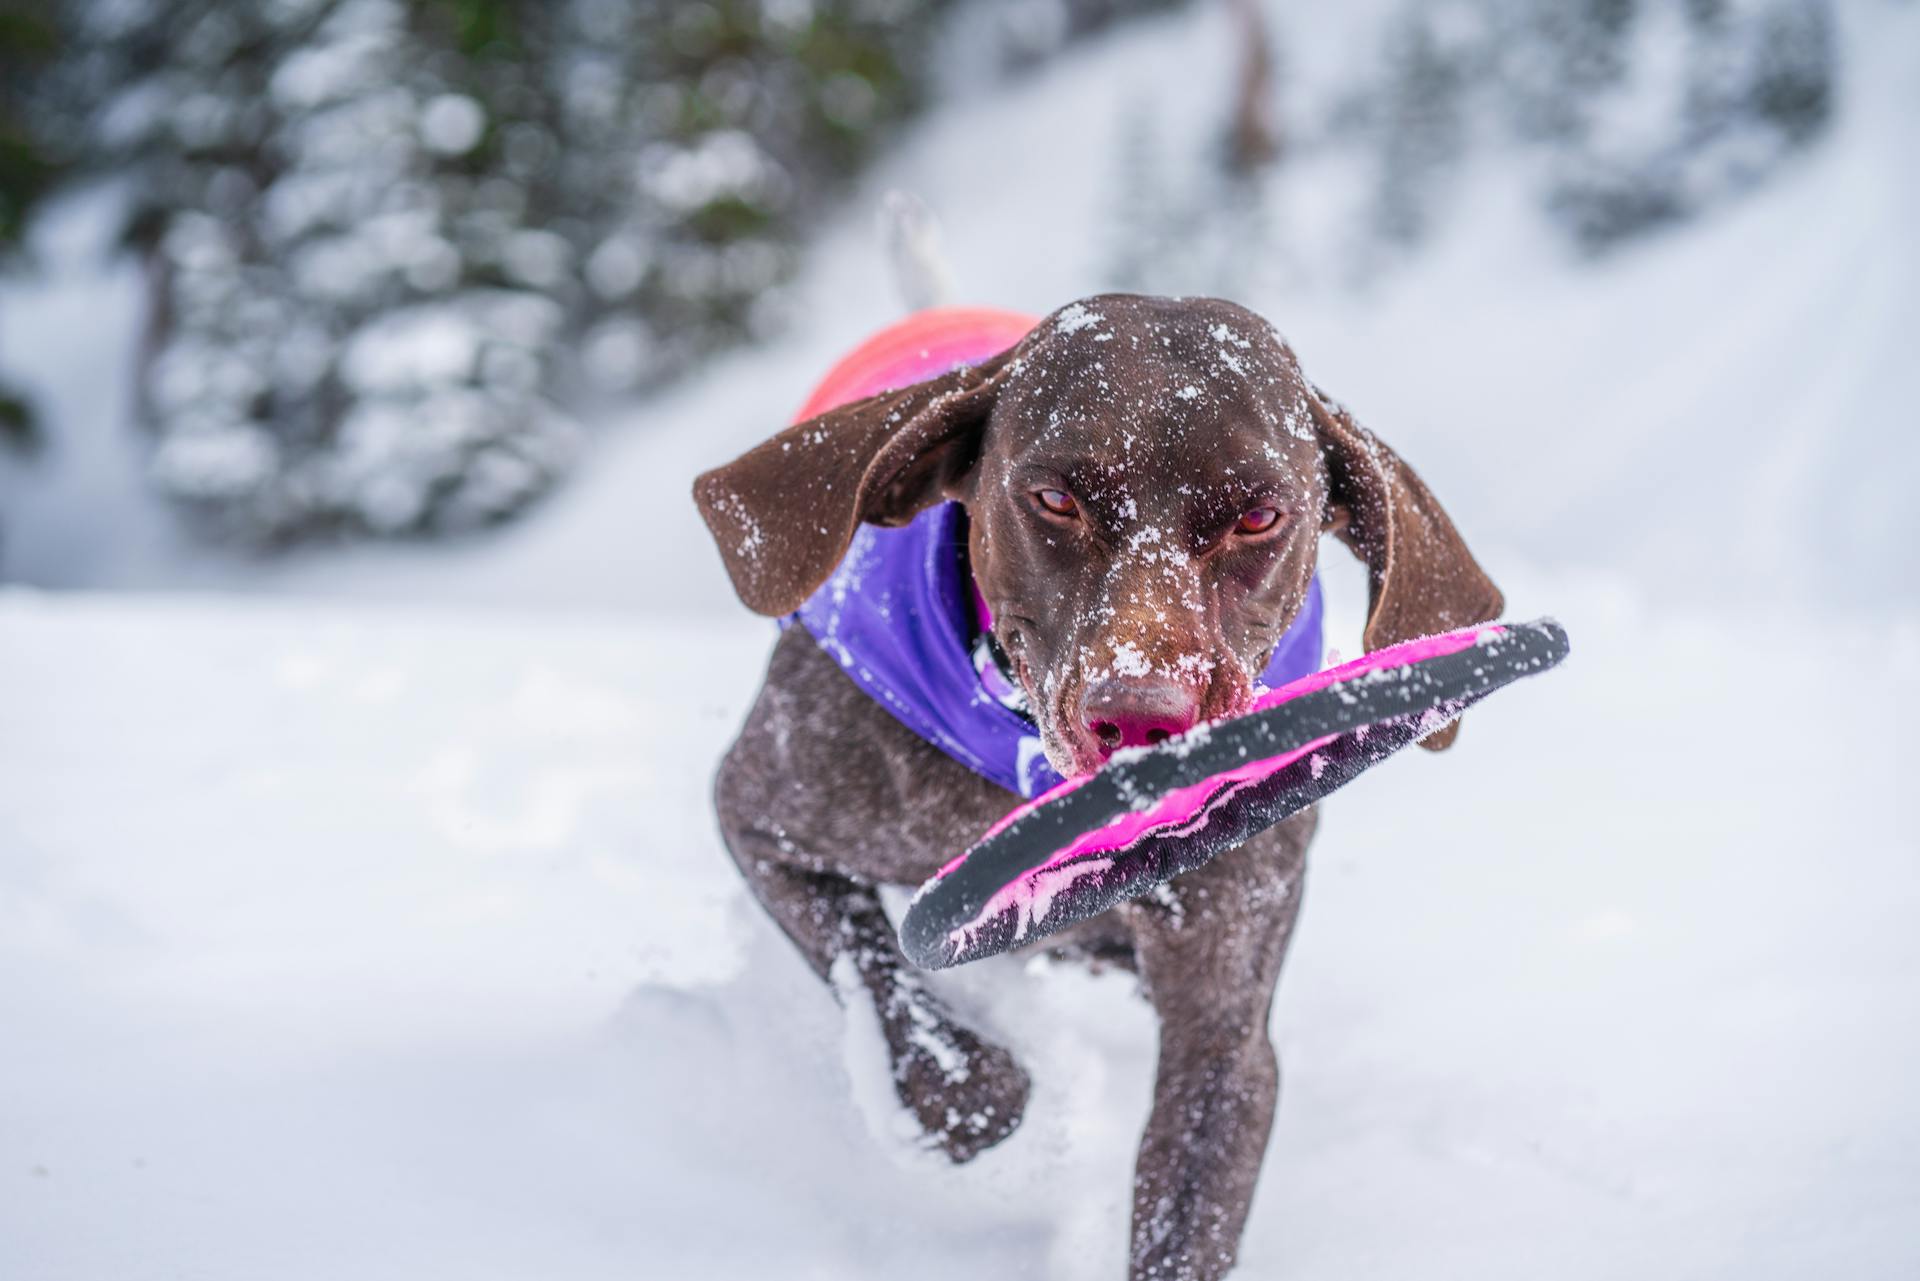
(1146, 480)
(1144, 513)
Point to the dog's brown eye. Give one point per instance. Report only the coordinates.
(1259, 520)
(1057, 501)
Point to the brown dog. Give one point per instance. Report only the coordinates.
(1145, 476)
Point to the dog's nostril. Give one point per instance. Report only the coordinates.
(1131, 712)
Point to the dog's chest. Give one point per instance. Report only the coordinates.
(850, 785)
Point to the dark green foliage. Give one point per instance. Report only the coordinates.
(27, 172)
(18, 430)
(25, 176)
(391, 237)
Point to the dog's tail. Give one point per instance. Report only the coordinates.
(912, 234)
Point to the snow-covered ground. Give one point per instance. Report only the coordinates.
(375, 925)
(386, 944)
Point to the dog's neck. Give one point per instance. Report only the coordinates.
(990, 661)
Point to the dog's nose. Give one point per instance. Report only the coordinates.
(1139, 711)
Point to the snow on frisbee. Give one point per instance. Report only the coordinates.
(1151, 813)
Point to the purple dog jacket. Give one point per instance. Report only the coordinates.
(898, 618)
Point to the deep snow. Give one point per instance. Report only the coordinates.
(381, 944)
(387, 934)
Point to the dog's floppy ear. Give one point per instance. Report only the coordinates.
(784, 512)
(1422, 578)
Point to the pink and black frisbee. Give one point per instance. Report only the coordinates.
(1151, 813)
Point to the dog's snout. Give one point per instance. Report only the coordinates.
(1138, 711)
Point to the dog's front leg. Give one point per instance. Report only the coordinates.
(811, 800)
(1210, 946)
(965, 1092)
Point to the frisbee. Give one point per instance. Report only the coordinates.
(1151, 813)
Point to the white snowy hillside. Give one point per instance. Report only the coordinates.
(362, 912)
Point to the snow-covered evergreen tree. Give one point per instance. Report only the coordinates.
(1686, 103)
(390, 239)
(27, 40)
(1626, 114)
(1643, 112)
(1430, 56)
(352, 325)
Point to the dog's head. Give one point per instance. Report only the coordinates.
(1146, 480)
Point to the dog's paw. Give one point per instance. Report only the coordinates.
(967, 1093)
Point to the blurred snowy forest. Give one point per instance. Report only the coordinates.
(395, 252)
(390, 244)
